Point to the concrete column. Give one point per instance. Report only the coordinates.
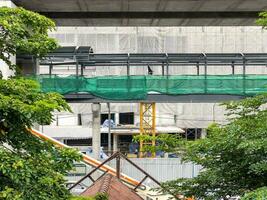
(115, 142)
(96, 132)
(203, 133)
(117, 118)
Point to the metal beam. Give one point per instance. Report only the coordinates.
(67, 56)
(158, 98)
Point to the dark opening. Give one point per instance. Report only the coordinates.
(79, 142)
(127, 118)
(124, 143)
(79, 119)
(104, 139)
(193, 133)
(105, 116)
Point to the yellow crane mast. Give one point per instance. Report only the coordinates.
(147, 125)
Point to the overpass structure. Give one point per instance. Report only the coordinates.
(148, 12)
(164, 87)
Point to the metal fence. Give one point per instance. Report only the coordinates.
(162, 169)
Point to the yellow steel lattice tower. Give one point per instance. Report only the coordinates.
(147, 125)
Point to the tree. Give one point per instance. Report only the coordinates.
(30, 168)
(262, 21)
(233, 156)
(258, 194)
(24, 32)
(164, 142)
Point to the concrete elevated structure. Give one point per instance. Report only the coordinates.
(148, 12)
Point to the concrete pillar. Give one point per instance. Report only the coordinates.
(117, 118)
(115, 142)
(96, 132)
(203, 133)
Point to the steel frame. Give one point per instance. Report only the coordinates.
(83, 57)
(117, 155)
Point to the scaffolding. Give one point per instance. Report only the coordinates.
(147, 127)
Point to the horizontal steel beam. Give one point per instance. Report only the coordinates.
(159, 98)
(90, 59)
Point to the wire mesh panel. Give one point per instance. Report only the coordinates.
(138, 87)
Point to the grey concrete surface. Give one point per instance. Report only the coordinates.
(148, 12)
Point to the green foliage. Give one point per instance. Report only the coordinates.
(234, 156)
(82, 198)
(164, 142)
(24, 32)
(262, 21)
(258, 194)
(101, 196)
(98, 196)
(30, 168)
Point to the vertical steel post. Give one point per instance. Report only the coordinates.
(167, 64)
(118, 166)
(198, 68)
(233, 68)
(128, 65)
(205, 73)
(162, 69)
(82, 68)
(50, 69)
(77, 69)
(153, 128)
(77, 66)
(244, 73)
(109, 127)
(167, 73)
(141, 129)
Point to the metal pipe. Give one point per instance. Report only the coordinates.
(118, 166)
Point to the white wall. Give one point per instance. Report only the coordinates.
(251, 39)
(7, 3)
(165, 39)
(190, 115)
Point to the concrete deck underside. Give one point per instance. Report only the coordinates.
(148, 12)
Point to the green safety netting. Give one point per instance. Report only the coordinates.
(137, 87)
